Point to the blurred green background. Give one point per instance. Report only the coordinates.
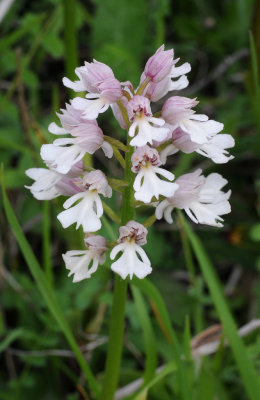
(40, 42)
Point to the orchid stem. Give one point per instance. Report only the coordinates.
(117, 321)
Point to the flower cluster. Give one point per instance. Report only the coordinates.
(152, 139)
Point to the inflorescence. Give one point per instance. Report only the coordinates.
(153, 138)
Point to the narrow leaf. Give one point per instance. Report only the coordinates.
(46, 291)
(149, 339)
(249, 376)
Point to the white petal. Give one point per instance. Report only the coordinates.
(168, 214)
(79, 103)
(154, 186)
(91, 108)
(160, 208)
(61, 158)
(129, 264)
(215, 148)
(138, 180)
(63, 141)
(168, 151)
(200, 117)
(77, 86)
(147, 133)
(181, 83)
(132, 129)
(164, 172)
(78, 262)
(56, 130)
(196, 130)
(70, 201)
(83, 213)
(156, 121)
(116, 250)
(99, 207)
(36, 173)
(181, 70)
(107, 149)
(47, 194)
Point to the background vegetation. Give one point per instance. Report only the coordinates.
(44, 318)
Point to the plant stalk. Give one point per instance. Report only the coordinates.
(116, 332)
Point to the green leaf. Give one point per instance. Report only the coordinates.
(11, 337)
(46, 243)
(115, 43)
(53, 44)
(46, 291)
(168, 369)
(254, 66)
(165, 323)
(248, 373)
(255, 232)
(149, 339)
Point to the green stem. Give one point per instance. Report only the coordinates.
(116, 332)
(70, 35)
(46, 242)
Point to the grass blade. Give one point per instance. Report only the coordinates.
(11, 337)
(149, 339)
(46, 242)
(165, 323)
(248, 374)
(47, 292)
(254, 66)
(168, 369)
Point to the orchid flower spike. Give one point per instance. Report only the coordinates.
(104, 89)
(200, 197)
(88, 211)
(133, 260)
(146, 163)
(83, 263)
(148, 127)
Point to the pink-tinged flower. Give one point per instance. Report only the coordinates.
(177, 112)
(159, 65)
(140, 114)
(133, 260)
(90, 75)
(65, 152)
(104, 89)
(200, 197)
(155, 91)
(83, 263)
(161, 69)
(50, 184)
(88, 211)
(176, 108)
(215, 148)
(146, 162)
